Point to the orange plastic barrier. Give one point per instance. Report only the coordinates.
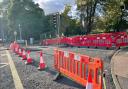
(77, 67)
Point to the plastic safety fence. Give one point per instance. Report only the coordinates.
(122, 41)
(107, 40)
(77, 66)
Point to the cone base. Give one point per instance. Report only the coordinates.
(42, 66)
(20, 54)
(27, 63)
(89, 86)
(24, 57)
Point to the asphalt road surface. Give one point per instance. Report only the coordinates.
(31, 78)
(6, 79)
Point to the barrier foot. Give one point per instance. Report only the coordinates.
(57, 77)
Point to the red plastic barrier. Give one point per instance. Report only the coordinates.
(122, 41)
(103, 41)
(77, 67)
(107, 40)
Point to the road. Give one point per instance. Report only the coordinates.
(31, 78)
(6, 79)
(13, 70)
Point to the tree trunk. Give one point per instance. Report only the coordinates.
(91, 16)
(117, 28)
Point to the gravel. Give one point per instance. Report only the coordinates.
(34, 79)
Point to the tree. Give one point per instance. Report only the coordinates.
(69, 26)
(3, 19)
(31, 18)
(112, 18)
(114, 15)
(88, 9)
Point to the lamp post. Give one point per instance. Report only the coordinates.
(15, 34)
(20, 32)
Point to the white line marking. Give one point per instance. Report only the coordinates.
(3, 55)
(3, 65)
(16, 78)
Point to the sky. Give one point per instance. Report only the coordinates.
(54, 6)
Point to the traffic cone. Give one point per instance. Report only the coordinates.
(16, 50)
(20, 52)
(89, 82)
(24, 55)
(29, 59)
(41, 64)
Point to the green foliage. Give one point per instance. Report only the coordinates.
(30, 17)
(73, 29)
(69, 26)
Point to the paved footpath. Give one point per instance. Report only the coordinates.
(119, 68)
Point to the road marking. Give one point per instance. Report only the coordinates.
(3, 65)
(16, 78)
(3, 55)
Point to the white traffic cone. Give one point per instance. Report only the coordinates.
(89, 83)
(29, 59)
(16, 50)
(24, 55)
(42, 65)
(19, 52)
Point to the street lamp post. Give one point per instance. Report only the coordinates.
(15, 34)
(20, 32)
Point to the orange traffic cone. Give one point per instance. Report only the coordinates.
(42, 64)
(29, 59)
(89, 83)
(24, 55)
(20, 52)
(16, 50)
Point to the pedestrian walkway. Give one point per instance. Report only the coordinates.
(119, 66)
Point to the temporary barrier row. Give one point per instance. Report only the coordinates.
(107, 40)
(25, 55)
(14, 46)
(77, 67)
(122, 41)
